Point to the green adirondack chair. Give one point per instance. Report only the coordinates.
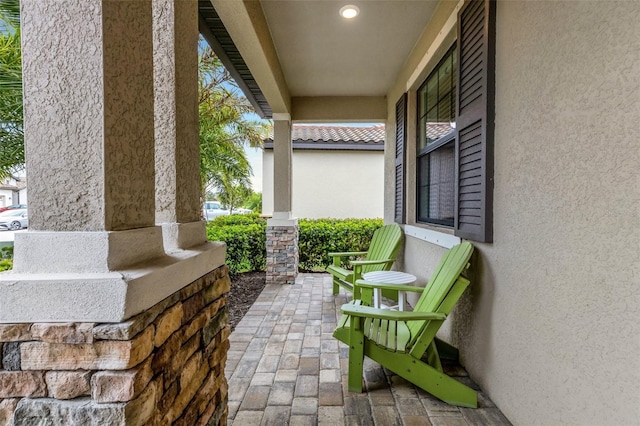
(399, 340)
(380, 256)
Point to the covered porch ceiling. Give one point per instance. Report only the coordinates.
(300, 57)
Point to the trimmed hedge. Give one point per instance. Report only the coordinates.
(318, 237)
(6, 258)
(246, 241)
(245, 236)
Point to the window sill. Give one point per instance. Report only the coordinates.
(439, 238)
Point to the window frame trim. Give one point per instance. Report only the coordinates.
(437, 144)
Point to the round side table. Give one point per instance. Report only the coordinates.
(389, 277)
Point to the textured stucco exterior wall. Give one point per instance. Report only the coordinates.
(129, 166)
(89, 114)
(70, 149)
(565, 290)
(175, 39)
(549, 328)
(339, 184)
(282, 171)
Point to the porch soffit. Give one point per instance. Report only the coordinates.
(302, 52)
(214, 32)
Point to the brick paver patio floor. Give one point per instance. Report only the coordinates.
(285, 368)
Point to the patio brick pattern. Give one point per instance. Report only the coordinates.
(285, 367)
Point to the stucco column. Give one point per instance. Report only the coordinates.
(175, 58)
(282, 229)
(93, 252)
(282, 166)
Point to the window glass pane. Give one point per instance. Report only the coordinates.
(436, 164)
(435, 129)
(441, 119)
(444, 78)
(436, 186)
(432, 91)
(442, 184)
(445, 113)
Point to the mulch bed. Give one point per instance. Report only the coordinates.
(245, 289)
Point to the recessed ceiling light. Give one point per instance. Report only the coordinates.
(349, 11)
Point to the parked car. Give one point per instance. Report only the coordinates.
(13, 207)
(14, 219)
(213, 209)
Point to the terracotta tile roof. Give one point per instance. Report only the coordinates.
(436, 130)
(306, 136)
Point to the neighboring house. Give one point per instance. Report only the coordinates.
(13, 190)
(337, 172)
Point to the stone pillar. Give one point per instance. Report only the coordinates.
(163, 366)
(177, 152)
(282, 229)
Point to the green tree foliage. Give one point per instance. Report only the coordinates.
(11, 134)
(224, 133)
(254, 202)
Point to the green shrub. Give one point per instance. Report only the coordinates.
(319, 237)
(245, 237)
(246, 250)
(238, 219)
(6, 258)
(6, 252)
(6, 264)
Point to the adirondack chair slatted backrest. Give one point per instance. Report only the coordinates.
(385, 244)
(442, 280)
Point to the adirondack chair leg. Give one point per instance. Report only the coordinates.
(433, 359)
(426, 377)
(336, 287)
(356, 355)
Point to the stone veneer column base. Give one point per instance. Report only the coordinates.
(162, 366)
(282, 253)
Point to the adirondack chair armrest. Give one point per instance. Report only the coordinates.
(347, 253)
(370, 262)
(383, 286)
(369, 312)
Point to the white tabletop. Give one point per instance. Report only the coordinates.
(389, 277)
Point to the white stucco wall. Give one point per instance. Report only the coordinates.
(338, 184)
(550, 326)
(6, 197)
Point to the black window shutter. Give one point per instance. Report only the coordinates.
(401, 137)
(475, 120)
